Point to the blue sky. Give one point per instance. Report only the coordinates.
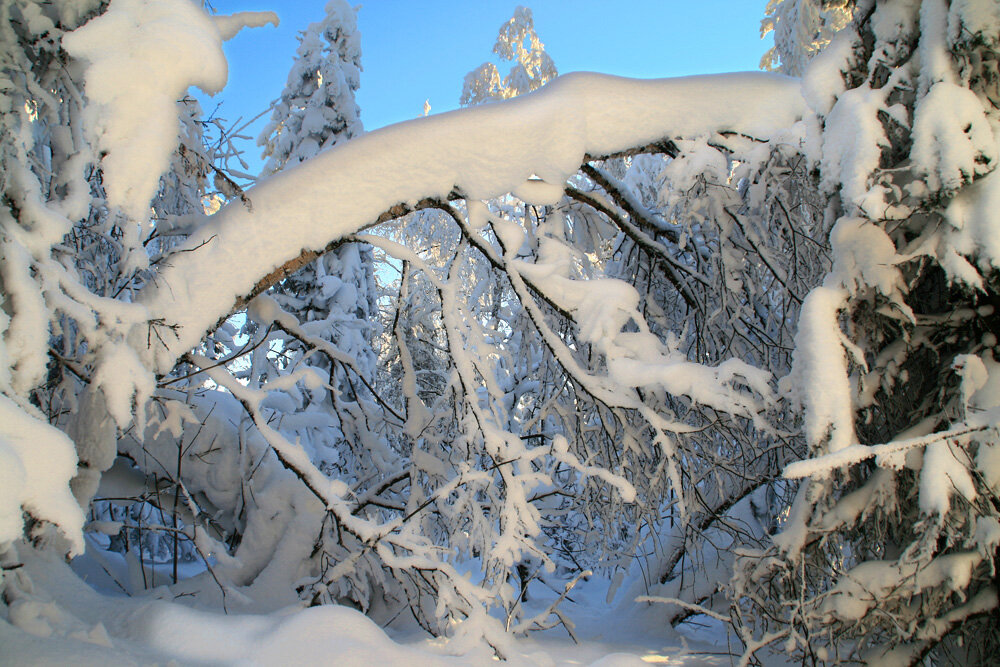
(414, 50)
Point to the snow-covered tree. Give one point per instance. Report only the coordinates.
(317, 111)
(889, 551)
(82, 232)
(736, 328)
(531, 68)
(801, 30)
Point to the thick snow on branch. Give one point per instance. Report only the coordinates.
(230, 26)
(37, 462)
(142, 57)
(481, 152)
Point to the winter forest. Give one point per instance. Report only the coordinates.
(592, 370)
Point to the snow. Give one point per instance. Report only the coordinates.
(38, 23)
(886, 454)
(124, 381)
(902, 656)
(944, 473)
(988, 461)
(25, 351)
(987, 534)
(819, 380)
(854, 505)
(823, 80)
(864, 585)
(952, 140)
(971, 214)
(37, 463)
(160, 48)
(864, 257)
(935, 59)
(970, 18)
(93, 431)
(894, 22)
(948, 467)
(317, 108)
(531, 69)
(153, 628)
(235, 481)
(229, 26)
(852, 141)
(483, 151)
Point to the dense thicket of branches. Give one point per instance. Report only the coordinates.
(747, 366)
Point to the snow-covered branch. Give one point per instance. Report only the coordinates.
(482, 152)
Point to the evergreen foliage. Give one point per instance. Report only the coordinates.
(727, 341)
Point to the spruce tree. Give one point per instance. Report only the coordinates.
(316, 112)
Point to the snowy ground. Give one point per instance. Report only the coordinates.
(71, 623)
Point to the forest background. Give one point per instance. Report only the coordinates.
(723, 343)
